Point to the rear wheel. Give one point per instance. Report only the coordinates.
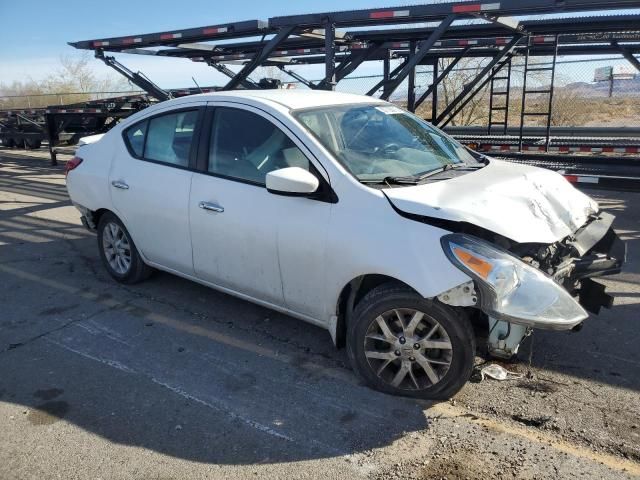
(118, 252)
(8, 142)
(403, 344)
(18, 142)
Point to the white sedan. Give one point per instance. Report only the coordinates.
(353, 215)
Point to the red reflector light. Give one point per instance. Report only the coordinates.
(71, 165)
(467, 8)
(572, 178)
(380, 15)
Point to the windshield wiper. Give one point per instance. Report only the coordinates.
(416, 179)
(436, 171)
(392, 181)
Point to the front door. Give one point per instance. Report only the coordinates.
(243, 236)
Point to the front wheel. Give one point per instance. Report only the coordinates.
(118, 252)
(403, 344)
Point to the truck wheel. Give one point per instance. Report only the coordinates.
(8, 142)
(33, 143)
(118, 252)
(18, 142)
(403, 344)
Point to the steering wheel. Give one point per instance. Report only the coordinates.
(389, 148)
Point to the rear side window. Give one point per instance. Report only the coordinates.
(165, 138)
(136, 136)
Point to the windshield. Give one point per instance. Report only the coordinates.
(381, 141)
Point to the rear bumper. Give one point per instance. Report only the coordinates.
(86, 217)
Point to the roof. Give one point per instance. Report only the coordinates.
(295, 99)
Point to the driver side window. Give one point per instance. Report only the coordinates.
(246, 146)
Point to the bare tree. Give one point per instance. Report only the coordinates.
(72, 82)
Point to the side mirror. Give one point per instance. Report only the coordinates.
(292, 181)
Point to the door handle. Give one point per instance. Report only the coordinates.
(211, 207)
(120, 185)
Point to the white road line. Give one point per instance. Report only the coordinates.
(223, 408)
(219, 406)
(110, 363)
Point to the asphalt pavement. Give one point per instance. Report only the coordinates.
(171, 380)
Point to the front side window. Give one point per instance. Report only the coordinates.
(379, 141)
(247, 146)
(165, 138)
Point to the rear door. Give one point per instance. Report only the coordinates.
(150, 180)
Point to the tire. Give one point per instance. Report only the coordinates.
(127, 265)
(434, 372)
(18, 142)
(33, 143)
(8, 142)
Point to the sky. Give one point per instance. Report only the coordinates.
(33, 48)
(34, 33)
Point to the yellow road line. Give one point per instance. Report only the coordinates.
(611, 461)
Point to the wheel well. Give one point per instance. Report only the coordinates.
(352, 293)
(95, 216)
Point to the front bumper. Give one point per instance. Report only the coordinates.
(602, 252)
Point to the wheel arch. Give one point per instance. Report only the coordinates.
(93, 216)
(350, 295)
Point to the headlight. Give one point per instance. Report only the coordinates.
(512, 290)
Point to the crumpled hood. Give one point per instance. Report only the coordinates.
(525, 204)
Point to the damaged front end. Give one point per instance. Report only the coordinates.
(524, 286)
(595, 250)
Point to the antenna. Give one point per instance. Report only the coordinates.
(194, 81)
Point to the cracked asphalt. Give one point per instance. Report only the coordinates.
(171, 380)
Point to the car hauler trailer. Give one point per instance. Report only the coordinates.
(61, 125)
(412, 36)
(64, 124)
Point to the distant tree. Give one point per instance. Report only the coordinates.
(72, 82)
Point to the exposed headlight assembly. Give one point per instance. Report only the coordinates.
(512, 290)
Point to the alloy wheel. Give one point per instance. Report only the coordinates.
(408, 349)
(117, 248)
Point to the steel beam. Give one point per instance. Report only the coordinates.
(422, 49)
(246, 83)
(354, 60)
(329, 82)
(452, 107)
(411, 84)
(299, 78)
(434, 99)
(388, 73)
(136, 78)
(440, 77)
(175, 37)
(438, 11)
(259, 57)
(628, 55)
